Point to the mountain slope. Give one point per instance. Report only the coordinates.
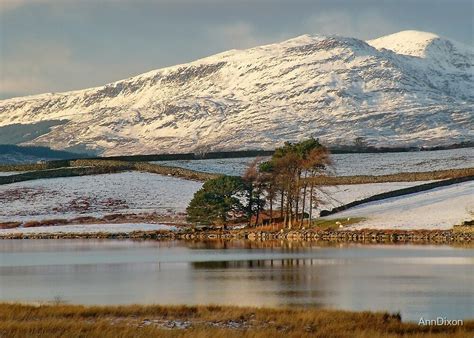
(411, 88)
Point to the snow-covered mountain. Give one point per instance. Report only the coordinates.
(406, 89)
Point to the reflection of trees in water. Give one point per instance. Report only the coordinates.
(257, 263)
(288, 246)
(298, 282)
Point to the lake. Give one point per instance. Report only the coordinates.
(428, 281)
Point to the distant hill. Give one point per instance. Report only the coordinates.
(11, 154)
(409, 89)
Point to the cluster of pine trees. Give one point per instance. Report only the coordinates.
(281, 188)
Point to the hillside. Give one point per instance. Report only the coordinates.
(406, 89)
(13, 154)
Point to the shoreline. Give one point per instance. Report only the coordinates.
(55, 320)
(363, 236)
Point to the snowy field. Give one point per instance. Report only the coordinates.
(352, 164)
(225, 166)
(342, 194)
(132, 192)
(8, 173)
(440, 208)
(96, 195)
(392, 163)
(89, 228)
(135, 192)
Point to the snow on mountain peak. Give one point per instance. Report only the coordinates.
(409, 42)
(419, 44)
(409, 88)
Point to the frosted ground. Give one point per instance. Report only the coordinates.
(143, 193)
(96, 195)
(335, 196)
(131, 192)
(440, 208)
(9, 173)
(352, 164)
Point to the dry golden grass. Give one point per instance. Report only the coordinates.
(208, 321)
(318, 224)
(465, 229)
(333, 224)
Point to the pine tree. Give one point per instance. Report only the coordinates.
(216, 200)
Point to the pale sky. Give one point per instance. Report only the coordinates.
(60, 45)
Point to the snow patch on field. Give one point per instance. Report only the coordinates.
(224, 166)
(95, 195)
(350, 164)
(9, 173)
(89, 228)
(393, 163)
(440, 208)
(342, 194)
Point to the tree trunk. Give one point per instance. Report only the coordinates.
(249, 210)
(304, 199)
(271, 209)
(297, 197)
(282, 205)
(258, 207)
(290, 213)
(303, 207)
(297, 203)
(311, 203)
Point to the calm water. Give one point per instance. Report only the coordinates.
(418, 281)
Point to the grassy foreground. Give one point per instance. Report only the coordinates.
(18, 320)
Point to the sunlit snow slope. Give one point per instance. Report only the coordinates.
(406, 89)
(440, 208)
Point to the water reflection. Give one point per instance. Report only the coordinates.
(415, 280)
(271, 263)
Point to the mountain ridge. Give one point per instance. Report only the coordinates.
(336, 88)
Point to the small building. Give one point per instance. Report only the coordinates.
(264, 217)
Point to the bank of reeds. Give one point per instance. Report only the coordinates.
(60, 320)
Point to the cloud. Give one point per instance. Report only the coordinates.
(239, 34)
(367, 25)
(27, 69)
(8, 5)
(34, 67)
(42, 66)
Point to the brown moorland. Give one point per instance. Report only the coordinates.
(59, 320)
